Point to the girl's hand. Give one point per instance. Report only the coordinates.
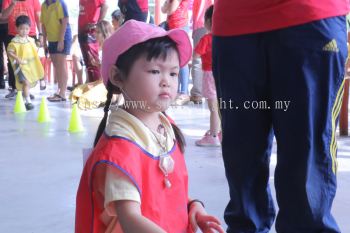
(21, 62)
(60, 46)
(206, 223)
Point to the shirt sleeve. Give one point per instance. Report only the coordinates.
(5, 4)
(118, 186)
(62, 10)
(11, 47)
(201, 46)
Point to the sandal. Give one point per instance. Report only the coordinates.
(56, 98)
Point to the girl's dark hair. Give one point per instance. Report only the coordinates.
(208, 15)
(153, 49)
(22, 19)
(118, 15)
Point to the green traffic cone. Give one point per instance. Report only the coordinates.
(44, 115)
(19, 105)
(75, 124)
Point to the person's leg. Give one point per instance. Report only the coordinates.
(89, 47)
(183, 82)
(214, 117)
(196, 71)
(240, 75)
(25, 89)
(63, 78)
(25, 93)
(3, 38)
(78, 69)
(56, 70)
(11, 76)
(307, 68)
(2, 42)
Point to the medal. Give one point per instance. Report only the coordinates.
(166, 162)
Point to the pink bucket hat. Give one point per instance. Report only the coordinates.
(134, 32)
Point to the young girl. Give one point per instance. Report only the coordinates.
(24, 58)
(93, 94)
(203, 49)
(103, 30)
(135, 180)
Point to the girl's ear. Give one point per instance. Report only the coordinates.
(117, 77)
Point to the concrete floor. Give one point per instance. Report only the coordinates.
(41, 164)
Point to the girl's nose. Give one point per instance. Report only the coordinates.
(165, 82)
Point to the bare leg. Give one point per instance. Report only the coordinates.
(78, 69)
(214, 117)
(63, 78)
(55, 73)
(25, 88)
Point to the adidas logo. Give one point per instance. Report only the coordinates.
(331, 46)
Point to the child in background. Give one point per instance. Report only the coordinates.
(103, 30)
(24, 58)
(135, 180)
(204, 50)
(117, 19)
(94, 94)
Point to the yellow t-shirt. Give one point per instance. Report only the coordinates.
(52, 13)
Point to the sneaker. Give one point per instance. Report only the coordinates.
(181, 100)
(12, 94)
(196, 99)
(29, 106)
(219, 135)
(208, 141)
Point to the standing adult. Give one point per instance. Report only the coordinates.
(290, 52)
(198, 10)
(177, 17)
(30, 8)
(90, 12)
(57, 31)
(135, 9)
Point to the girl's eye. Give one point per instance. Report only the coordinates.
(174, 74)
(154, 71)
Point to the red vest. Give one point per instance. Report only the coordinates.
(167, 207)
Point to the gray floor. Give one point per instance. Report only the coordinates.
(40, 167)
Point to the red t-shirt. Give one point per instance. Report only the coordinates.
(198, 10)
(179, 18)
(89, 12)
(204, 50)
(237, 17)
(29, 8)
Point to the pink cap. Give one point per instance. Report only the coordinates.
(134, 32)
